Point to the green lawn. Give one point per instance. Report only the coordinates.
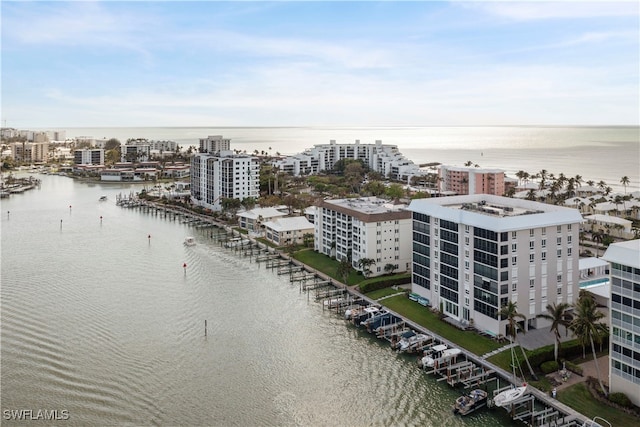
(578, 397)
(383, 293)
(471, 341)
(327, 265)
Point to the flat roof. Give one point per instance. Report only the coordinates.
(591, 262)
(625, 253)
(496, 212)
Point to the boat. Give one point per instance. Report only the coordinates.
(189, 241)
(469, 403)
(102, 198)
(432, 354)
(364, 315)
(409, 342)
(444, 357)
(509, 395)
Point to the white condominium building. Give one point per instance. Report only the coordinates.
(624, 350)
(364, 228)
(89, 156)
(382, 158)
(30, 152)
(135, 151)
(472, 254)
(214, 144)
(223, 175)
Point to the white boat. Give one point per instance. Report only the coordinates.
(510, 395)
(432, 354)
(445, 356)
(102, 198)
(189, 241)
(407, 343)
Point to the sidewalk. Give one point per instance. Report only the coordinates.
(588, 370)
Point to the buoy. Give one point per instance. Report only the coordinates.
(184, 265)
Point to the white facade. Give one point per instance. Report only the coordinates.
(364, 228)
(225, 175)
(253, 219)
(624, 346)
(92, 156)
(383, 158)
(135, 152)
(214, 144)
(288, 231)
(472, 254)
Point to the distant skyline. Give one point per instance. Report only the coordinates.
(303, 63)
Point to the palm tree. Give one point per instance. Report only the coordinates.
(559, 316)
(587, 326)
(510, 312)
(344, 268)
(364, 264)
(625, 181)
(597, 237)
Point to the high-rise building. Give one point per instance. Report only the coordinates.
(365, 227)
(383, 158)
(472, 254)
(223, 175)
(91, 156)
(465, 180)
(214, 144)
(624, 345)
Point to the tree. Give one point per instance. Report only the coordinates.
(559, 316)
(344, 268)
(588, 328)
(597, 237)
(364, 264)
(510, 312)
(307, 239)
(248, 203)
(389, 268)
(625, 181)
(111, 144)
(394, 191)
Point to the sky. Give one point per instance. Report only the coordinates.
(305, 63)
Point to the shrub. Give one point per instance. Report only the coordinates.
(550, 366)
(383, 282)
(621, 399)
(574, 368)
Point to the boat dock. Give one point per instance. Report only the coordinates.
(465, 369)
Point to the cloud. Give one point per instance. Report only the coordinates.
(542, 10)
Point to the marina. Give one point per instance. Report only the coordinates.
(348, 314)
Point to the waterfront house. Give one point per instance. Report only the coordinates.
(253, 219)
(287, 230)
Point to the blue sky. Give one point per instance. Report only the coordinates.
(299, 63)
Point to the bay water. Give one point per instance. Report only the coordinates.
(103, 324)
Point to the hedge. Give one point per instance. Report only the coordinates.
(383, 282)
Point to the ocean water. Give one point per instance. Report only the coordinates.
(595, 153)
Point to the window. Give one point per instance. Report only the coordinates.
(568, 240)
(559, 241)
(568, 227)
(532, 257)
(559, 229)
(514, 234)
(514, 260)
(544, 243)
(568, 251)
(559, 253)
(559, 291)
(514, 286)
(532, 283)
(466, 228)
(531, 245)
(544, 231)
(559, 278)
(514, 247)
(531, 232)
(544, 256)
